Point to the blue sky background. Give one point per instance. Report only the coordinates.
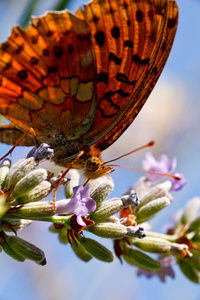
(171, 117)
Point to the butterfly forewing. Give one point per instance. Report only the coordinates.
(135, 31)
(47, 77)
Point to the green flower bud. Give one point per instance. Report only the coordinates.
(27, 183)
(194, 225)
(190, 210)
(80, 251)
(19, 170)
(4, 206)
(188, 270)
(107, 209)
(102, 191)
(97, 250)
(147, 211)
(156, 192)
(141, 260)
(35, 210)
(9, 250)
(27, 250)
(63, 235)
(4, 169)
(109, 230)
(74, 177)
(39, 192)
(158, 245)
(8, 224)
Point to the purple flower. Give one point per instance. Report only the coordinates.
(165, 270)
(80, 204)
(163, 165)
(177, 184)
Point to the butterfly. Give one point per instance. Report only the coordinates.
(79, 80)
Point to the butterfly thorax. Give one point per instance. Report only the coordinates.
(90, 163)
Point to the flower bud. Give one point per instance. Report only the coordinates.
(156, 192)
(35, 210)
(81, 252)
(74, 177)
(27, 250)
(4, 169)
(131, 199)
(9, 250)
(97, 250)
(133, 231)
(190, 210)
(39, 192)
(27, 183)
(195, 225)
(101, 191)
(141, 260)
(42, 152)
(10, 224)
(19, 170)
(188, 270)
(109, 230)
(154, 245)
(4, 206)
(107, 209)
(63, 238)
(147, 211)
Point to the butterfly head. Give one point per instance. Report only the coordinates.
(95, 167)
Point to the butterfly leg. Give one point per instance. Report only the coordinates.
(63, 175)
(29, 131)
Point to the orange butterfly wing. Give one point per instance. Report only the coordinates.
(132, 41)
(80, 80)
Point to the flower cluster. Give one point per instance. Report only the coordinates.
(86, 208)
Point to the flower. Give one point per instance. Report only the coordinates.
(80, 204)
(177, 184)
(163, 165)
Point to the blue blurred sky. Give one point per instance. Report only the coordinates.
(171, 117)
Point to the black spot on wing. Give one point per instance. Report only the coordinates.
(115, 58)
(128, 44)
(123, 78)
(99, 38)
(137, 59)
(115, 32)
(107, 106)
(103, 77)
(58, 52)
(22, 74)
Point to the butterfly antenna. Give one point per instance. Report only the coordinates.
(150, 144)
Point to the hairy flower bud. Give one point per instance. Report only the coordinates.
(27, 250)
(147, 211)
(4, 169)
(107, 209)
(141, 260)
(19, 170)
(101, 191)
(97, 250)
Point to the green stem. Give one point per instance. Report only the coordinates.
(62, 220)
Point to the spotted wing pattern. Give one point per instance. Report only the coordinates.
(80, 80)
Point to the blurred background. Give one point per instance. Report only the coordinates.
(171, 118)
